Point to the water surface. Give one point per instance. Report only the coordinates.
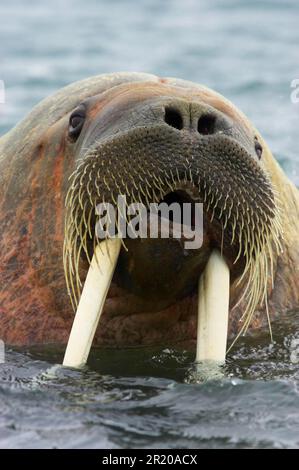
(151, 398)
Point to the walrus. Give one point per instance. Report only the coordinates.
(152, 139)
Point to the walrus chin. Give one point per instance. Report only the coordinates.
(166, 163)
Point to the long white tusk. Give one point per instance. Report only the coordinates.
(91, 303)
(213, 309)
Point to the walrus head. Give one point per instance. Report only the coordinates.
(154, 142)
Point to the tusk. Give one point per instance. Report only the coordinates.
(213, 309)
(91, 303)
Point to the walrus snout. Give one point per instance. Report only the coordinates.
(184, 115)
(148, 149)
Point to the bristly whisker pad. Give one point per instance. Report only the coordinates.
(145, 165)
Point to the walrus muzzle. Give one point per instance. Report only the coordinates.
(174, 152)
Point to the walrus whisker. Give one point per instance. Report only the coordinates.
(89, 222)
(81, 193)
(268, 318)
(258, 289)
(89, 190)
(78, 280)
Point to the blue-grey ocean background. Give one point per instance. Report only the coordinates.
(246, 50)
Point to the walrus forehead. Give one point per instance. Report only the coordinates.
(127, 96)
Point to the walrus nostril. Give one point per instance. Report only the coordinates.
(173, 118)
(206, 124)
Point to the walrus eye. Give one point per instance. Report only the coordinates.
(258, 148)
(76, 122)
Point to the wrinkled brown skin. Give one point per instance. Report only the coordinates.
(35, 163)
